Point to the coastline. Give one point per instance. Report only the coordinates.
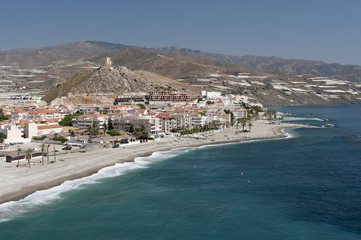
(17, 183)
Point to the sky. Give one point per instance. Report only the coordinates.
(325, 30)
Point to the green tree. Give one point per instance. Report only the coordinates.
(72, 133)
(3, 117)
(66, 121)
(256, 109)
(232, 115)
(110, 124)
(270, 113)
(57, 137)
(131, 129)
(93, 130)
(141, 106)
(113, 132)
(2, 137)
(142, 133)
(39, 138)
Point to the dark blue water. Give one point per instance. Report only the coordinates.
(271, 189)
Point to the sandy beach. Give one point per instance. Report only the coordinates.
(18, 182)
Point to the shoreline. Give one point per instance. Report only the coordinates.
(18, 183)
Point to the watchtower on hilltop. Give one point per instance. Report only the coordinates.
(106, 62)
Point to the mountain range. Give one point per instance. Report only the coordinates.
(84, 50)
(194, 68)
(275, 64)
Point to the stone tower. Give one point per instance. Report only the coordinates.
(106, 62)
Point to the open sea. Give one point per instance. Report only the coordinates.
(307, 186)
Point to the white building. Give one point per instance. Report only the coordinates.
(213, 94)
(13, 133)
(239, 113)
(87, 120)
(197, 120)
(151, 124)
(47, 129)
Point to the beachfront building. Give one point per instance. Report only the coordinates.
(168, 121)
(196, 119)
(88, 120)
(151, 124)
(239, 113)
(183, 120)
(19, 131)
(218, 119)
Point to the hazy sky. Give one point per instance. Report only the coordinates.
(326, 30)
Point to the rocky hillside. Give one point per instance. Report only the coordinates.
(101, 86)
(172, 66)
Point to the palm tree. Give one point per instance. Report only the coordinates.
(42, 153)
(19, 150)
(28, 154)
(54, 155)
(243, 121)
(105, 128)
(250, 125)
(47, 154)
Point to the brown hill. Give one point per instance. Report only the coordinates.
(101, 86)
(172, 66)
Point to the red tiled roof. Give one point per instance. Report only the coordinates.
(120, 113)
(49, 126)
(44, 111)
(91, 115)
(19, 111)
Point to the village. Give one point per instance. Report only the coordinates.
(31, 130)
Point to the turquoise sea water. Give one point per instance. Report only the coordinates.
(271, 189)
